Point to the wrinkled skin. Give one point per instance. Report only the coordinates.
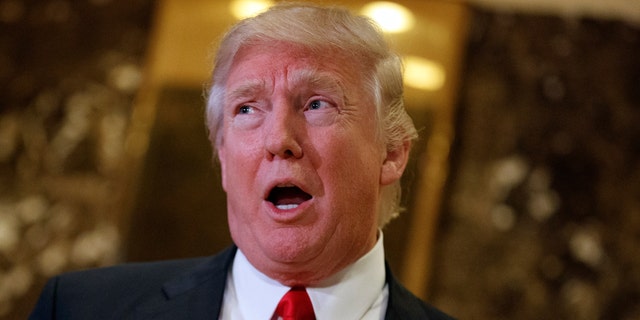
(302, 125)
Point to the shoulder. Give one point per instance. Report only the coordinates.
(403, 304)
(125, 278)
(120, 289)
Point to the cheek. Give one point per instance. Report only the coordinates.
(238, 162)
(354, 169)
(243, 145)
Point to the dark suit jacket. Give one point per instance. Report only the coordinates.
(181, 289)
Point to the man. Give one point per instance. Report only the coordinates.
(305, 112)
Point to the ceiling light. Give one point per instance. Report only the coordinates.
(391, 17)
(423, 74)
(242, 9)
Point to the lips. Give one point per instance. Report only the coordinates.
(287, 197)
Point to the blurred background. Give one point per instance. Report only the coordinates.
(522, 195)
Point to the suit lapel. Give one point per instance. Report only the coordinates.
(401, 305)
(196, 294)
(392, 308)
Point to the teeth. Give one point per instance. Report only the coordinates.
(286, 206)
(285, 185)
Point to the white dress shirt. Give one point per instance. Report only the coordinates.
(357, 292)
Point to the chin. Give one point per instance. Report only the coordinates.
(292, 245)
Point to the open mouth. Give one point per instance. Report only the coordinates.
(287, 197)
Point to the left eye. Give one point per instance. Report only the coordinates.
(317, 104)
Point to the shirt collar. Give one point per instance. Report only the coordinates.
(348, 294)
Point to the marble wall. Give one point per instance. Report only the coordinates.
(542, 214)
(542, 208)
(69, 71)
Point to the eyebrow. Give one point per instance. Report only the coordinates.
(245, 90)
(317, 80)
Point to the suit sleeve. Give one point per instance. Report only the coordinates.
(44, 308)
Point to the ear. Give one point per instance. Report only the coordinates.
(395, 163)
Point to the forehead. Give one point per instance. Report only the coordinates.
(264, 61)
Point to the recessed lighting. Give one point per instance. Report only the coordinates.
(423, 74)
(242, 9)
(392, 17)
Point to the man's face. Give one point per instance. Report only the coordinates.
(300, 160)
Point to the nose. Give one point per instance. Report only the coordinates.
(282, 134)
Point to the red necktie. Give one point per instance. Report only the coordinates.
(295, 305)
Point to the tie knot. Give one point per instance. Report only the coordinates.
(296, 305)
